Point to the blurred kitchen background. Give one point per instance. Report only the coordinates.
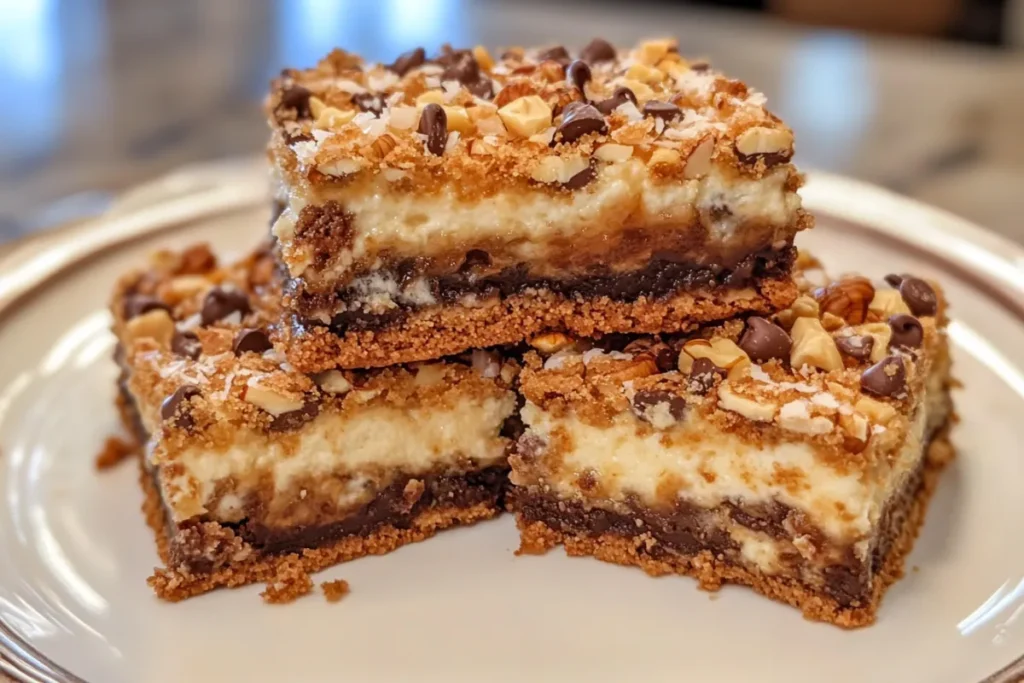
(922, 96)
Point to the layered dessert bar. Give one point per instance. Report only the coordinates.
(794, 454)
(254, 471)
(467, 200)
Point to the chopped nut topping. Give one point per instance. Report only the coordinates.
(551, 343)
(724, 353)
(156, 325)
(813, 346)
(270, 400)
(887, 302)
(526, 115)
(756, 410)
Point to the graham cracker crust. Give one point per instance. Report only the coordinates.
(446, 330)
(712, 572)
(287, 575)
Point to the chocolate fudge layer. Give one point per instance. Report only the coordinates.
(446, 182)
(793, 453)
(254, 466)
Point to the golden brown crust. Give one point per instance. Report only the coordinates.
(440, 331)
(711, 572)
(286, 576)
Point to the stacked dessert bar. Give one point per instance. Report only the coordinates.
(582, 264)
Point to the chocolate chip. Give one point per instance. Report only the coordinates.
(597, 50)
(137, 304)
(251, 340)
(579, 75)
(474, 259)
(297, 97)
(578, 119)
(919, 296)
(619, 97)
(764, 340)
(434, 124)
(450, 55)
(581, 179)
(369, 102)
(286, 422)
(703, 374)
(464, 69)
(483, 88)
(220, 303)
(408, 61)
(857, 346)
(186, 344)
(662, 110)
(907, 332)
(665, 358)
(645, 400)
(555, 54)
(172, 409)
(700, 66)
(894, 280)
(886, 378)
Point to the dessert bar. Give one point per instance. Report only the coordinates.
(253, 470)
(468, 200)
(793, 453)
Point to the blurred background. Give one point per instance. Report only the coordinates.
(922, 96)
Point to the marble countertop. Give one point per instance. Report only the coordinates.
(111, 94)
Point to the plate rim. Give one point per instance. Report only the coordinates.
(991, 261)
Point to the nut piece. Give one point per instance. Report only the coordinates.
(380, 147)
(877, 411)
(882, 334)
(483, 58)
(760, 141)
(640, 89)
(651, 52)
(813, 346)
(803, 307)
(795, 417)
(331, 118)
(644, 74)
(698, 163)
(756, 410)
(269, 400)
(156, 325)
(333, 382)
(723, 352)
(429, 97)
(848, 298)
(664, 157)
(551, 342)
(526, 115)
(888, 302)
(183, 287)
(612, 152)
(554, 169)
(458, 119)
(403, 118)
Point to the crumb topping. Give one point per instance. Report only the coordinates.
(845, 368)
(540, 116)
(201, 363)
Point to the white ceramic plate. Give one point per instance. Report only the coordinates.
(75, 553)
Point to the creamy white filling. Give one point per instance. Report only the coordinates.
(624, 193)
(710, 467)
(414, 440)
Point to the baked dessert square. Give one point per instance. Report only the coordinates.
(470, 200)
(254, 471)
(794, 454)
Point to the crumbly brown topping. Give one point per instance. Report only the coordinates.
(335, 590)
(202, 363)
(115, 449)
(530, 115)
(845, 368)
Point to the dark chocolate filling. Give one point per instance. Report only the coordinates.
(390, 506)
(689, 529)
(661, 277)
